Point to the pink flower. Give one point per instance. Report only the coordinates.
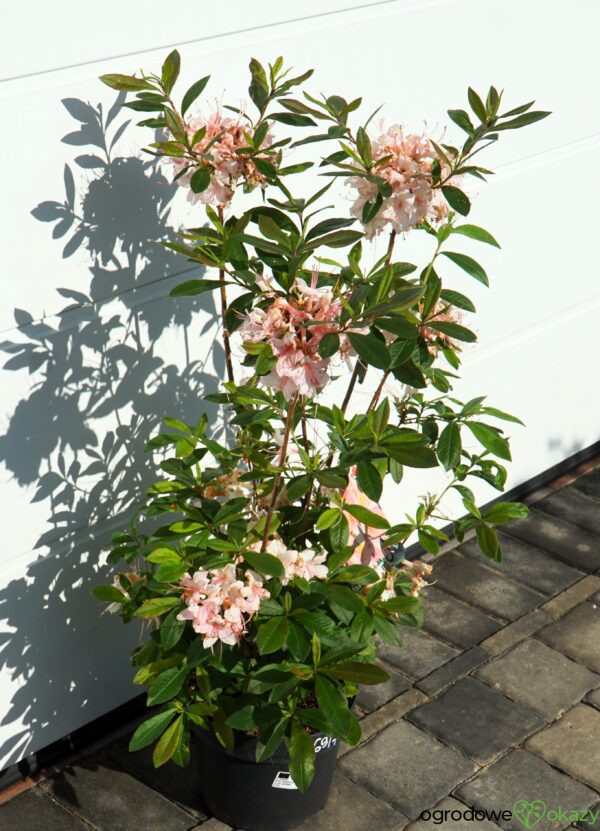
(227, 167)
(220, 604)
(409, 173)
(306, 564)
(294, 328)
(365, 540)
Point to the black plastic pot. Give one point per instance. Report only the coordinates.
(261, 796)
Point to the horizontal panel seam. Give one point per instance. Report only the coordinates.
(217, 35)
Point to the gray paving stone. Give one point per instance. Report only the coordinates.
(523, 776)
(577, 634)
(571, 597)
(455, 621)
(570, 504)
(33, 811)
(483, 587)
(573, 744)
(571, 544)
(167, 780)
(112, 799)
(594, 699)
(373, 697)
(352, 808)
(539, 677)
(406, 767)
(453, 670)
(588, 484)
(477, 720)
(527, 564)
(419, 654)
(592, 821)
(452, 812)
(515, 632)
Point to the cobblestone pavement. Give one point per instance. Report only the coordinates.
(496, 701)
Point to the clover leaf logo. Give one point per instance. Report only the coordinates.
(529, 813)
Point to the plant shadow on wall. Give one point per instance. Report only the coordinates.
(98, 388)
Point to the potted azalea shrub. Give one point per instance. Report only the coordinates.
(261, 559)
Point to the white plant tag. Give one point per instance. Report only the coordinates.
(284, 780)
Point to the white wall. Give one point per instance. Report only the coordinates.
(91, 342)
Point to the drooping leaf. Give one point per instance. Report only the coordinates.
(302, 757)
(151, 729)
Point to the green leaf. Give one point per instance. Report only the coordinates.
(328, 518)
(170, 70)
(522, 121)
(266, 749)
(387, 631)
(477, 105)
(168, 743)
(339, 534)
(453, 330)
(302, 757)
(297, 642)
(504, 511)
(171, 630)
(271, 635)
(359, 673)
(329, 345)
(457, 199)
(490, 438)
(469, 265)
(297, 487)
(110, 594)
(449, 446)
(369, 480)
(156, 606)
(164, 555)
(455, 298)
(334, 705)
(488, 542)
(242, 719)
(367, 517)
(293, 119)
(477, 233)
(402, 605)
(125, 83)
(192, 287)
(265, 563)
(200, 179)
(193, 92)
(150, 730)
(412, 456)
(343, 596)
(461, 118)
(370, 349)
(166, 685)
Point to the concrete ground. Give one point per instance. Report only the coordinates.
(495, 705)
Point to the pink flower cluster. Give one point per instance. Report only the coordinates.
(220, 604)
(408, 171)
(225, 137)
(294, 328)
(366, 541)
(307, 564)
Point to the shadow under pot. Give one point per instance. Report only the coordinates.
(261, 796)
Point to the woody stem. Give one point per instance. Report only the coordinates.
(353, 379)
(277, 482)
(226, 345)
